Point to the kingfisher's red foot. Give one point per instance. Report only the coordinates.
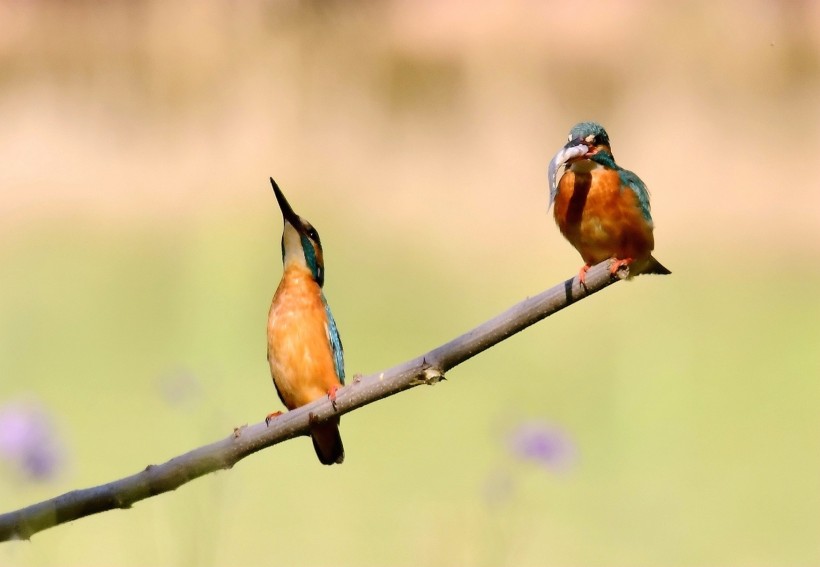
(271, 416)
(618, 264)
(582, 274)
(331, 395)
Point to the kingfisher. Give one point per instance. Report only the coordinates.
(600, 207)
(304, 348)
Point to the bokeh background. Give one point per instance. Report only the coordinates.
(665, 421)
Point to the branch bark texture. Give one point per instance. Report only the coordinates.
(426, 369)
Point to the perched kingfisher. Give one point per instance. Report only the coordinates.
(304, 348)
(601, 208)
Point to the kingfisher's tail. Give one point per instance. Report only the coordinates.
(655, 267)
(327, 442)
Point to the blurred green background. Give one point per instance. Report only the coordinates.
(139, 250)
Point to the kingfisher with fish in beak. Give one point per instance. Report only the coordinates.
(600, 207)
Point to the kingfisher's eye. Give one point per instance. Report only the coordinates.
(313, 234)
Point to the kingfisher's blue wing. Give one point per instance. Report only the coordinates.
(335, 343)
(634, 183)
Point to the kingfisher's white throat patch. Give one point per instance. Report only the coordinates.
(293, 247)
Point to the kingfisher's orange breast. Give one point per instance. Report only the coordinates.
(600, 218)
(299, 351)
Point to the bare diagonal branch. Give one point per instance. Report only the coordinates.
(426, 369)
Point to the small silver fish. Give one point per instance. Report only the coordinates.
(563, 156)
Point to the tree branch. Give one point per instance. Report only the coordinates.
(426, 369)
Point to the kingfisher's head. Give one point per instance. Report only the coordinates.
(586, 141)
(591, 136)
(300, 241)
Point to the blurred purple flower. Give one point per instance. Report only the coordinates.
(542, 444)
(29, 441)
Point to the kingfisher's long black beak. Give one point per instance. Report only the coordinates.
(287, 211)
(572, 149)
